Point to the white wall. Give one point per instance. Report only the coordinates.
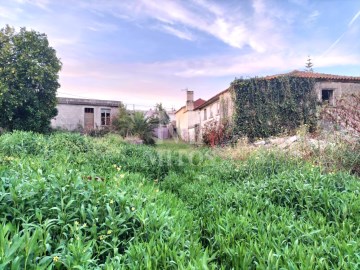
(71, 117)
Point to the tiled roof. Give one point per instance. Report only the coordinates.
(198, 102)
(212, 100)
(315, 75)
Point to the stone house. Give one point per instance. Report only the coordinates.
(192, 118)
(84, 114)
(328, 87)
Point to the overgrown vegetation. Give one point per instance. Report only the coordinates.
(74, 202)
(345, 115)
(129, 123)
(217, 133)
(266, 107)
(135, 123)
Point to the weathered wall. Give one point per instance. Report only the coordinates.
(71, 117)
(340, 88)
(220, 109)
(182, 124)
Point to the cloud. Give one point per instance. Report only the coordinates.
(343, 35)
(337, 59)
(10, 13)
(42, 4)
(227, 23)
(312, 17)
(178, 33)
(102, 27)
(354, 19)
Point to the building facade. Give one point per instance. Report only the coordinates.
(84, 114)
(328, 87)
(191, 119)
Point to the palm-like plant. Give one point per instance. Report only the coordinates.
(143, 127)
(135, 124)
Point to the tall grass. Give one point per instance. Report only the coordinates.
(73, 202)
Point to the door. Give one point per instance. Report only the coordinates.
(89, 119)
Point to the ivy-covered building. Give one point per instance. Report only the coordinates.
(192, 118)
(328, 87)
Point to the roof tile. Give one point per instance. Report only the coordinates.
(314, 75)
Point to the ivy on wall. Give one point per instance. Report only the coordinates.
(267, 107)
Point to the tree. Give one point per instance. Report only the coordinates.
(143, 127)
(135, 124)
(123, 122)
(309, 65)
(161, 115)
(29, 71)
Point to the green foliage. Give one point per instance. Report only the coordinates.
(266, 107)
(122, 123)
(309, 65)
(135, 124)
(143, 127)
(215, 133)
(272, 212)
(161, 115)
(73, 202)
(28, 80)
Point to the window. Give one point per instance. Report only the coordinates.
(105, 117)
(205, 116)
(211, 112)
(327, 95)
(89, 110)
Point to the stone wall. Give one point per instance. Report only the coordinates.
(339, 89)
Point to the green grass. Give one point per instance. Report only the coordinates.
(73, 202)
(173, 145)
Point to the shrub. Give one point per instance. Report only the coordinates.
(215, 133)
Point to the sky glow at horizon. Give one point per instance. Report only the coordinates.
(144, 52)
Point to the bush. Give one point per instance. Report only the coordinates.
(215, 133)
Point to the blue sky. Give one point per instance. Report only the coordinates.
(144, 52)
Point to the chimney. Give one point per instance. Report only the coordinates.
(189, 100)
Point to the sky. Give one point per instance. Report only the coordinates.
(144, 52)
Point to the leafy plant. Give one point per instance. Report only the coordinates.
(160, 115)
(122, 122)
(135, 124)
(215, 133)
(74, 202)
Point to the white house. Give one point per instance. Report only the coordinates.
(192, 118)
(87, 114)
